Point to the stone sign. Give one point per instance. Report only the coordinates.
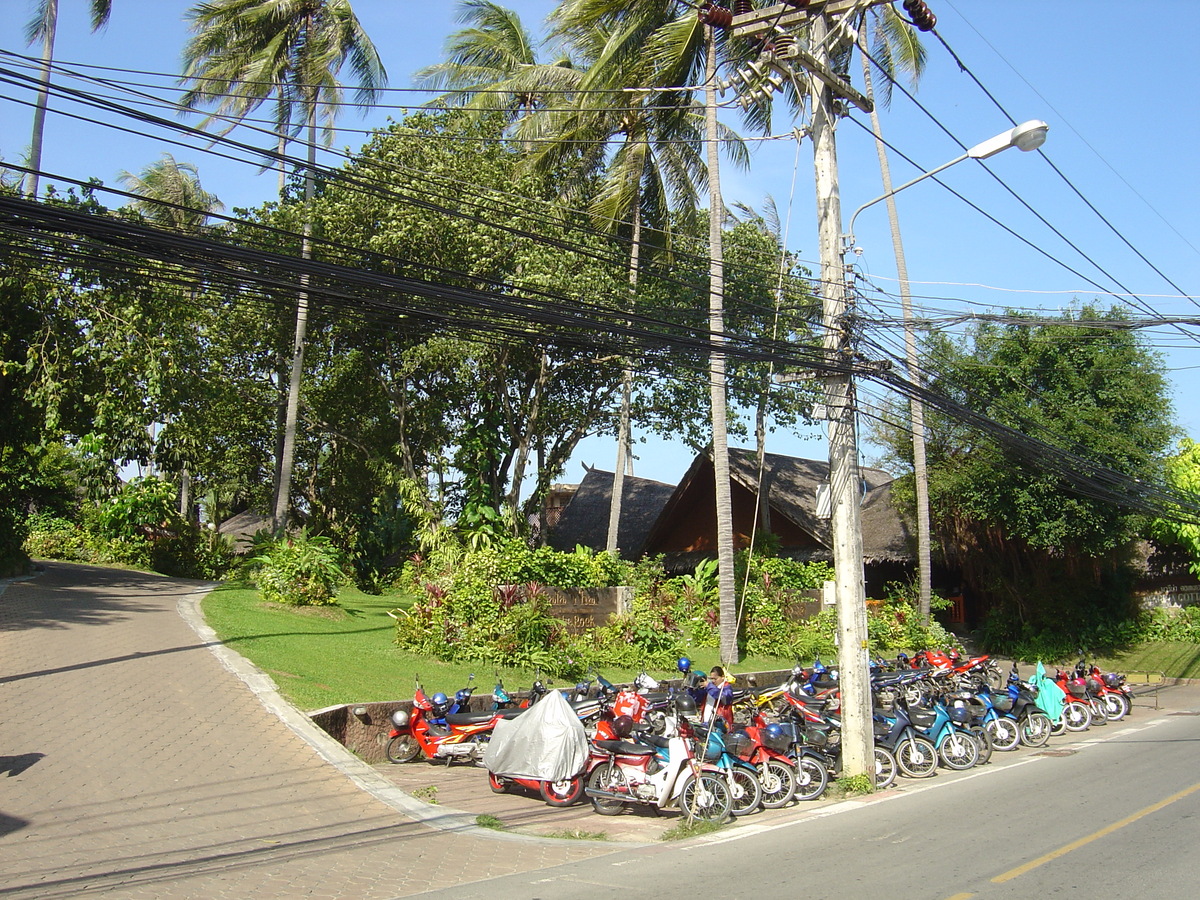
(584, 608)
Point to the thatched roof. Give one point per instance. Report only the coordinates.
(242, 527)
(793, 483)
(585, 519)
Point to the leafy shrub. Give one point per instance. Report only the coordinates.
(142, 508)
(301, 570)
(53, 537)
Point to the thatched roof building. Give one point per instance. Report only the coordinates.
(680, 522)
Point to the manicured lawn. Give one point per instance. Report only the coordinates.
(321, 656)
(1175, 660)
(324, 656)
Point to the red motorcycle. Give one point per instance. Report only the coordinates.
(431, 730)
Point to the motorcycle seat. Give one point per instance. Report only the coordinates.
(624, 748)
(475, 718)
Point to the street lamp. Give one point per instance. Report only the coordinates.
(843, 458)
(1026, 136)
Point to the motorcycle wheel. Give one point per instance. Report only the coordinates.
(778, 783)
(1006, 734)
(1036, 729)
(562, 793)
(1116, 707)
(745, 791)
(496, 783)
(885, 769)
(984, 740)
(403, 748)
(707, 798)
(1076, 716)
(1096, 707)
(959, 751)
(916, 757)
(812, 777)
(608, 777)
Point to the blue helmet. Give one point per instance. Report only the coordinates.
(684, 664)
(774, 732)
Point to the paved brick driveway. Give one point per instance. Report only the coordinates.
(133, 764)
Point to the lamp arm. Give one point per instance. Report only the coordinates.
(849, 237)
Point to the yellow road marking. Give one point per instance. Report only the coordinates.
(1075, 845)
(961, 897)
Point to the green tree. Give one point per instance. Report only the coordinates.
(1183, 473)
(492, 65)
(298, 47)
(170, 195)
(1044, 553)
(44, 26)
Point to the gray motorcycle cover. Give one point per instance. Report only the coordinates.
(546, 742)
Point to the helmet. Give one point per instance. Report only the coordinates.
(400, 718)
(774, 733)
(441, 703)
(684, 664)
(685, 705)
(622, 726)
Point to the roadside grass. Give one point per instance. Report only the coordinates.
(578, 834)
(686, 829)
(1173, 659)
(322, 656)
(483, 820)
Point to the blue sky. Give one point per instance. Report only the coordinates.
(1111, 78)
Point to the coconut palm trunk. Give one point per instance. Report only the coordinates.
(716, 364)
(915, 408)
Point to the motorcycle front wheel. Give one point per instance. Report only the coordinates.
(812, 777)
(608, 777)
(1036, 729)
(778, 783)
(403, 748)
(1076, 716)
(746, 791)
(1116, 707)
(496, 783)
(885, 769)
(706, 799)
(917, 757)
(1006, 734)
(959, 751)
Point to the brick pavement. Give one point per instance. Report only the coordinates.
(134, 764)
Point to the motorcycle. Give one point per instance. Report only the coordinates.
(659, 772)
(1114, 693)
(744, 787)
(435, 732)
(948, 729)
(765, 747)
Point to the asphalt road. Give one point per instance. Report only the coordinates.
(1112, 815)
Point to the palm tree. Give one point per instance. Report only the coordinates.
(295, 50)
(655, 167)
(671, 49)
(43, 26)
(170, 195)
(492, 65)
(898, 49)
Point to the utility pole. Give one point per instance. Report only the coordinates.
(844, 481)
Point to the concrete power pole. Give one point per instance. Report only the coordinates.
(858, 755)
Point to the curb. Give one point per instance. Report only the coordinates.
(362, 775)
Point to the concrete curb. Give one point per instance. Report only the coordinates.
(361, 774)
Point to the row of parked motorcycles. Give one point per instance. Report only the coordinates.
(670, 747)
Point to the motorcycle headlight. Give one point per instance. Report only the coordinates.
(400, 718)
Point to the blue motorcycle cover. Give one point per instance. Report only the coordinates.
(1051, 698)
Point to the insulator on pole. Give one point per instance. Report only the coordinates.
(716, 16)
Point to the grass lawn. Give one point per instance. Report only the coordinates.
(1175, 660)
(321, 656)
